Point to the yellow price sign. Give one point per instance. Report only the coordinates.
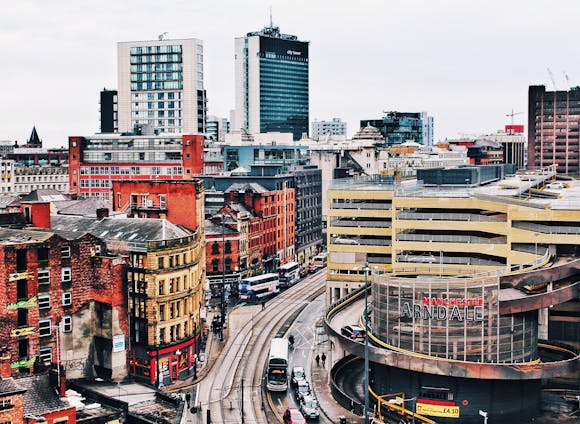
(438, 410)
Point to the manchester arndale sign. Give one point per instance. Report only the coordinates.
(444, 309)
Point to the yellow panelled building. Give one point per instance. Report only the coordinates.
(447, 229)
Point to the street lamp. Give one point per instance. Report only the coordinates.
(223, 312)
(366, 318)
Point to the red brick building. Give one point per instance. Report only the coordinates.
(61, 293)
(222, 253)
(96, 161)
(276, 212)
(176, 201)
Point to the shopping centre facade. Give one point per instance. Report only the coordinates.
(471, 284)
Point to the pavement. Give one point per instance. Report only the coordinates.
(320, 378)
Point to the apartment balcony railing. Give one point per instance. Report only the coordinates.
(148, 205)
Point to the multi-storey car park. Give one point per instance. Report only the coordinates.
(473, 276)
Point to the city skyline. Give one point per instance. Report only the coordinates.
(367, 57)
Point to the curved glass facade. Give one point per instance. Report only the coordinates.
(452, 319)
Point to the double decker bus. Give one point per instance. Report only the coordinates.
(320, 260)
(277, 380)
(254, 289)
(289, 274)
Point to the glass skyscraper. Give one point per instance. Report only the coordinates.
(272, 76)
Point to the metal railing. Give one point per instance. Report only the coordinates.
(421, 216)
(346, 205)
(342, 241)
(447, 260)
(443, 238)
(546, 229)
(366, 224)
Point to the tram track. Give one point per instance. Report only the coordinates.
(244, 356)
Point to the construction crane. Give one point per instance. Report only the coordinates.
(567, 80)
(553, 79)
(511, 115)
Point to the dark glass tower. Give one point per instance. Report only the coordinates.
(272, 83)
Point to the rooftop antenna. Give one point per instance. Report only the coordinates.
(160, 36)
(271, 24)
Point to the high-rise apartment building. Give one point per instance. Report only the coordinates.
(272, 75)
(554, 129)
(334, 127)
(161, 85)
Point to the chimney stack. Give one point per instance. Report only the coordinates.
(5, 370)
(102, 213)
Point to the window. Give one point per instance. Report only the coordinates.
(65, 252)
(66, 298)
(44, 301)
(66, 324)
(216, 265)
(66, 273)
(228, 246)
(161, 312)
(215, 248)
(6, 404)
(228, 264)
(161, 287)
(45, 355)
(43, 276)
(44, 327)
(160, 263)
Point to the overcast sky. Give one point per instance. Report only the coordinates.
(468, 63)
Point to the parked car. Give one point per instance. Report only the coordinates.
(303, 272)
(297, 374)
(312, 269)
(301, 389)
(293, 416)
(353, 332)
(309, 407)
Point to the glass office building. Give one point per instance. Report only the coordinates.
(272, 93)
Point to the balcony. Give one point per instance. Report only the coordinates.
(148, 205)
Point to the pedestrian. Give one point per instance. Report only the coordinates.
(187, 398)
(317, 360)
(323, 359)
(263, 305)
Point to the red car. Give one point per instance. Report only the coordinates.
(293, 416)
